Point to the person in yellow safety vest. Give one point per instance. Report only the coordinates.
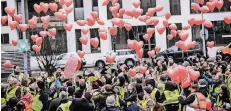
(155, 92)
(196, 101)
(170, 96)
(215, 85)
(223, 98)
(141, 101)
(119, 88)
(130, 96)
(65, 103)
(16, 71)
(13, 90)
(161, 84)
(40, 101)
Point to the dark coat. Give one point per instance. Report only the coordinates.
(81, 104)
(54, 104)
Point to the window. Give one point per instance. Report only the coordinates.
(78, 43)
(175, 39)
(225, 8)
(95, 5)
(109, 14)
(145, 4)
(60, 41)
(19, 7)
(94, 33)
(122, 53)
(79, 11)
(5, 39)
(175, 7)
(4, 5)
(220, 33)
(120, 39)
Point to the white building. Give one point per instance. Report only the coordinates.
(180, 10)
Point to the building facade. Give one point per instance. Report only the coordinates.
(180, 10)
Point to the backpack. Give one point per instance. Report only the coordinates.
(133, 107)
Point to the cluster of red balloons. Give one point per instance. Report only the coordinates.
(182, 75)
(110, 59)
(185, 45)
(7, 64)
(210, 6)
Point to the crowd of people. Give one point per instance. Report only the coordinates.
(115, 90)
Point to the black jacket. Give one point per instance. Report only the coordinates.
(81, 104)
(44, 95)
(54, 104)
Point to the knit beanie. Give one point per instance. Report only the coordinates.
(110, 101)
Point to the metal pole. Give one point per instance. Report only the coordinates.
(203, 38)
(24, 35)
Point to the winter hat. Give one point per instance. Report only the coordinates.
(151, 82)
(110, 101)
(41, 84)
(202, 83)
(70, 90)
(148, 90)
(63, 95)
(12, 102)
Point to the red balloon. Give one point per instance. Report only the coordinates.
(219, 4)
(149, 21)
(227, 19)
(43, 33)
(103, 35)
(211, 6)
(53, 6)
(143, 18)
(167, 15)
(121, 12)
(200, 2)
(4, 19)
(194, 74)
(139, 53)
(46, 19)
(14, 42)
(157, 49)
(193, 44)
(165, 23)
(10, 11)
(204, 9)
(174, 33)
(186, 27)
(84, 31)
(32, 23)
(36, 48)
(81, 22)
(13, 24)
(44, 7)
(199, 21)
(142, 69)
(39, 41)
(208, 104)
(136, 4)
(81, 53)
(7, 64)
(170, 36)
(94, 15)
(186, 83)
(34, 37)
(138, 45)
(191, 21)
(52, 31)
(155, 22)
(183, 35)
(95, 42)
(67, 2)
(23, 27)
(18, 17)
(161, 29)
(173, 26)
(128, 27)
(208, 24)
(151, 53)
(71, 67)
(195, 6)
(105, 2)
(68, 9)
(67, 27)
(83, 40)
(178, 44)
(181, 72)
(210, 44)
(110, 59)
(113, 31)
(102, 29)
(150, 31)
(130, 43)
(100, 22)
(147, 36)
(61, 2)
(132, 72)
(159, 8)
(79, 65)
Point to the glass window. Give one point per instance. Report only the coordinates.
(175, 39)
(78, 43)
(94, 33)
(78, 3)
(3, 6)
(175, 7)
(122, 53)
(145, 4)
(225, 8)
(79, 11)
(5, 39)
(109, 14)
(60, 45)
(95, 5)
(220, 33)
(120, 39)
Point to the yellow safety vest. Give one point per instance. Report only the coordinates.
(228, 82)
(66, 106)
(153, 94)
(171, 96)
(121, 96)
(11, 93)
(219, 102)
(20, 76)
(3, 101)
(37, 104)
(143, 103)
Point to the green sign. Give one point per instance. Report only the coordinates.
(23, 45)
